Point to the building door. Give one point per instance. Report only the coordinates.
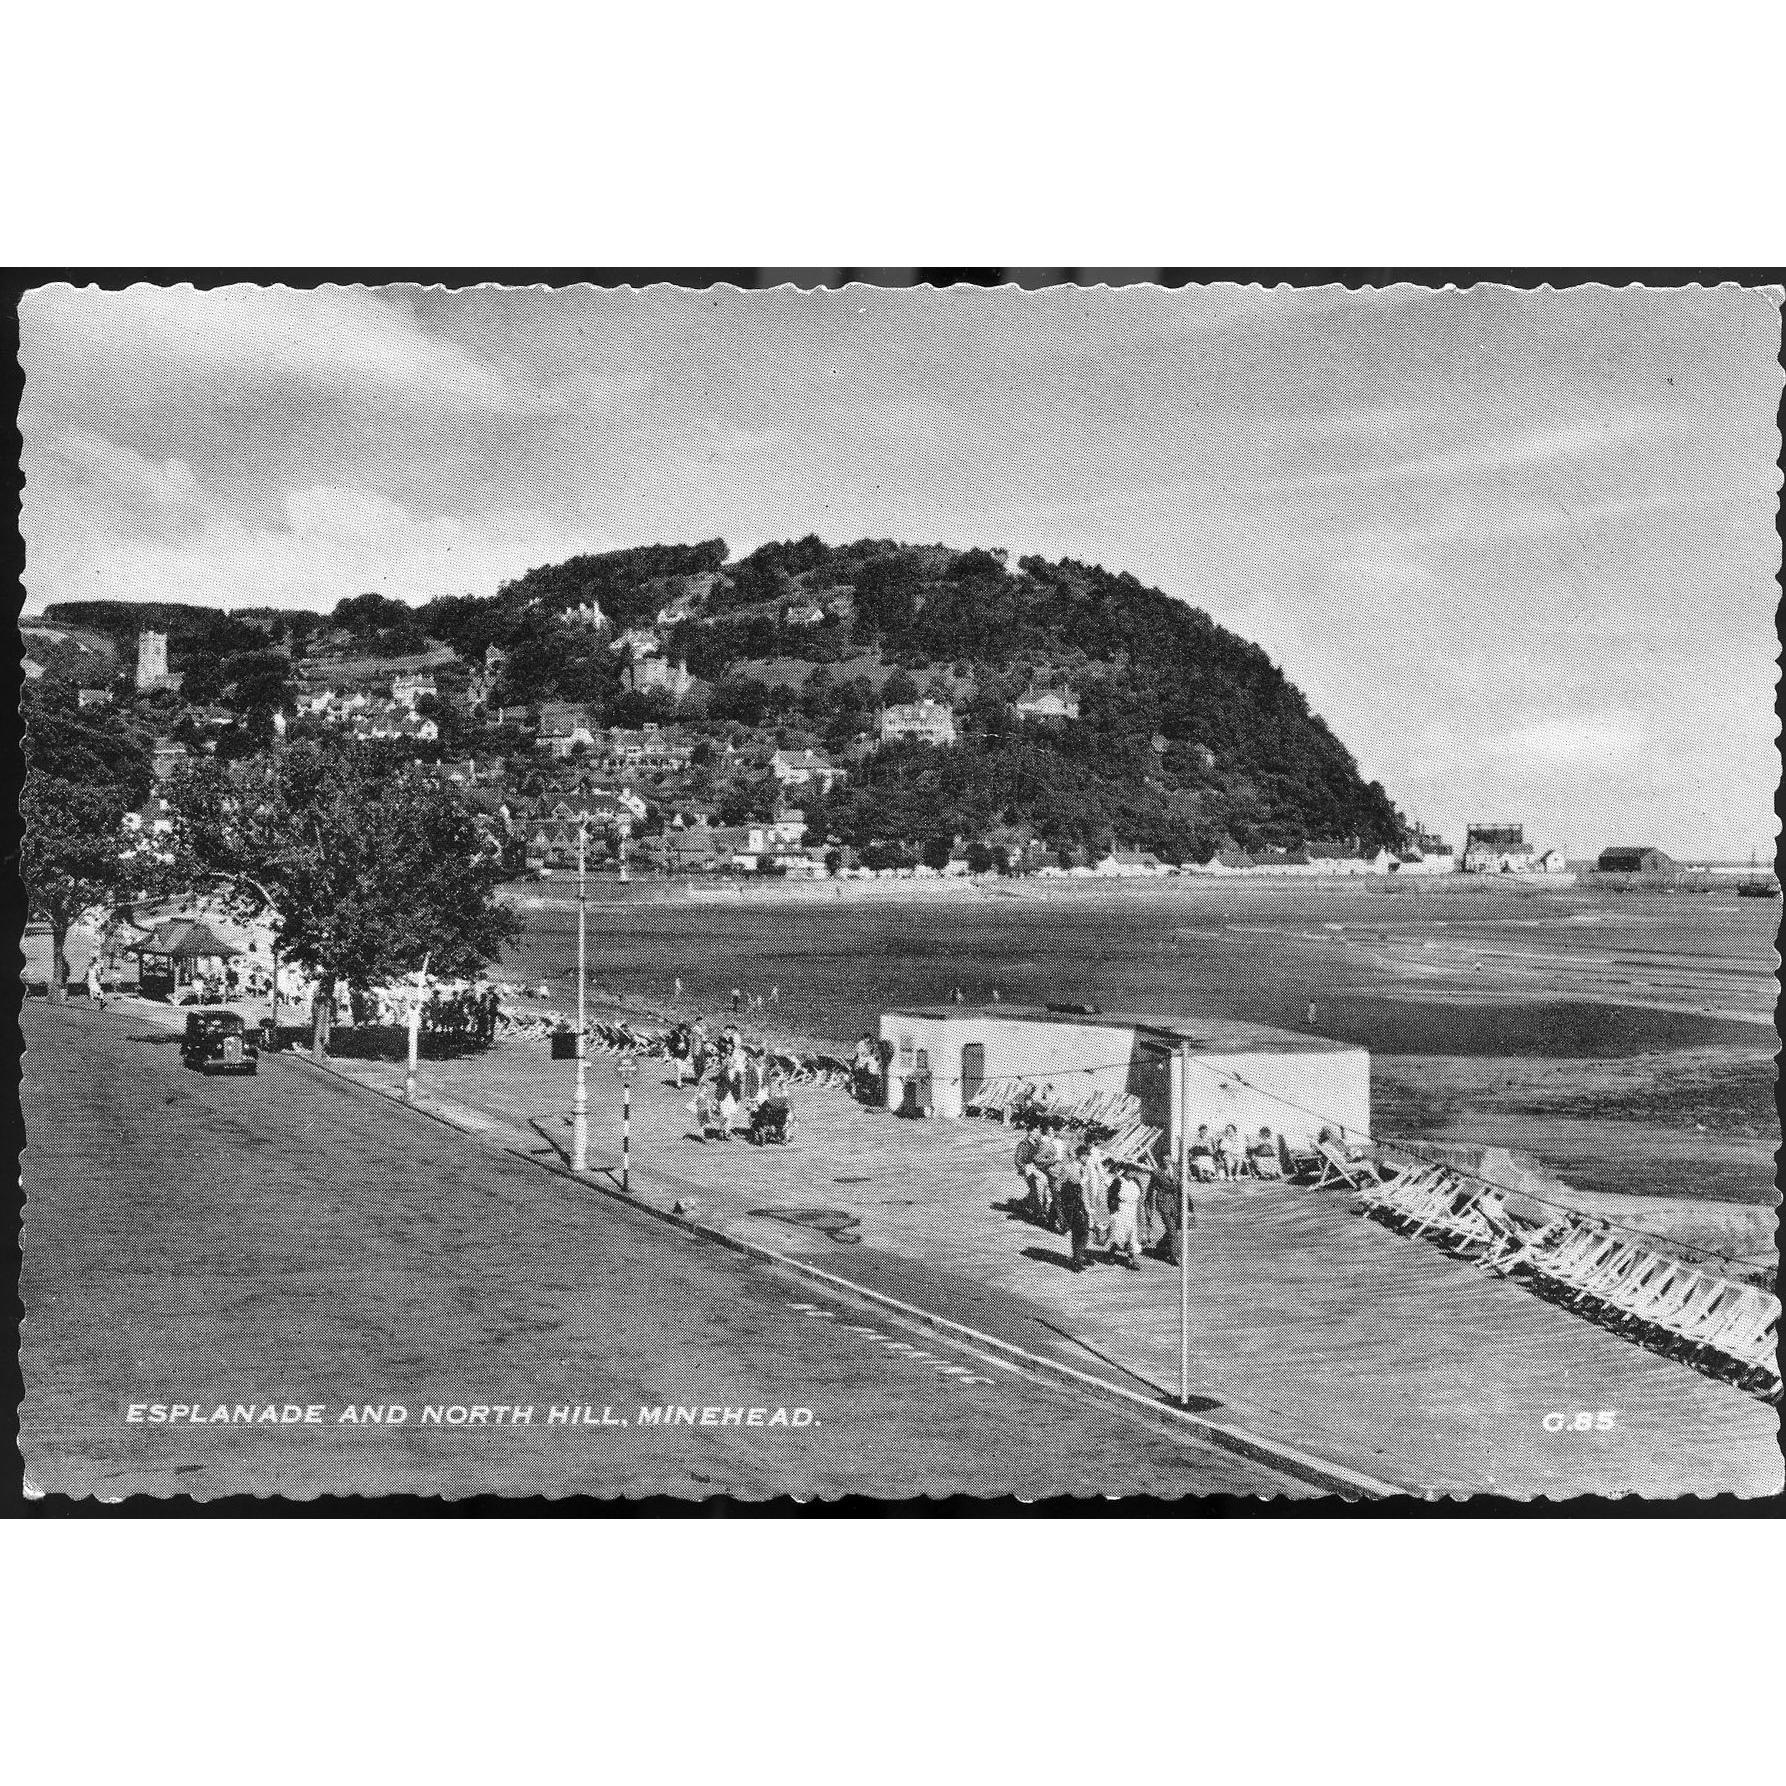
(973, 1071)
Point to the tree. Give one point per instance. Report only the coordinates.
(84, 769)
(372, 868)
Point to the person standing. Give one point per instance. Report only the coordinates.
(1125, 1219)
(737, 1000)
(1073, 1206)
(678, 992)
(1032, 1174)
(775, 994)
(95, 987)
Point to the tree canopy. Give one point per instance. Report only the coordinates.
(372, 864)
(85, 768)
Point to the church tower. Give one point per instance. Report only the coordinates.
(151, 659)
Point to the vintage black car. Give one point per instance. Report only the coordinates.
(217, 1042)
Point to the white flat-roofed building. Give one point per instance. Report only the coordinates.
(1231, 1072)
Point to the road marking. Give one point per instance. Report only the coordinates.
(903, 1350)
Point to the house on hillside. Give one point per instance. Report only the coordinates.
(1635, 858)
(168, 754)
(587, 616)
(803, 768)
(409, 686)
(640, 641)
(805, 614)
(393, 723)
(95, 697)
(649, 673)
(563, 726)
(1049, 703)
(494, 658)
(926, 721)
(649, 749)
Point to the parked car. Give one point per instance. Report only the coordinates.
(217, 1042)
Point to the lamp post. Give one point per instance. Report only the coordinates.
(1184, 1225)
(627, 1068)
(580, 1102)
(415, 1026)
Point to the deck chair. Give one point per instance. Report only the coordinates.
(1337, 1169)
(1575, 1267)
(1619, 1272)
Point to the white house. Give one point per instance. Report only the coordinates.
(798, 768)
(1049, 703)
(927, 721)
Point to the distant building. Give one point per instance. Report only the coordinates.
(649, 748)
(1635, 858)
(1500, 848)
(640, 641)
(1049, 703)
(587, 615)
(927, 721)
(411, 685)
(95, 697)
(169, 753)
(806, 615)
(393, 724)
(563, 726)
(648, 673)
(494, 657)
(803, 768)
(151, 659)
(151, 662)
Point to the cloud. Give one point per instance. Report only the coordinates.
(147, 343)
(1572, 740)
(101, 521)
(1577, 440)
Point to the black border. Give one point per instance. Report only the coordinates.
(16, 282)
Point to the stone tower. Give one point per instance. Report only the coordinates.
(151, 659)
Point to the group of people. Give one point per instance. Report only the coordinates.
(1230, 1154)
(1075, 1188)
(735, 1090)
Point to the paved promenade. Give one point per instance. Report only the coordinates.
(1310, 1325)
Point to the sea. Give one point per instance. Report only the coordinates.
(1577, 973)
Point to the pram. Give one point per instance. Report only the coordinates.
(772, 1120)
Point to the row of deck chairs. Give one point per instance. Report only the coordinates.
(814, 1069)
(622, 1038)
(1691, 1312)
(1114, 1115)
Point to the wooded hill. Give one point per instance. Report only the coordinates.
(1187, 733)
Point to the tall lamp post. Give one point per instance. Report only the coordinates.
(1184, 1225)
(580, 1102)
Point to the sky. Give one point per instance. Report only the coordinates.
(1518, 548)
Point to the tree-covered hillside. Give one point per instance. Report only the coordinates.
(1187, 733)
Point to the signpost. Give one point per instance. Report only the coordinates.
(580, 1102)
(627, 1068)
